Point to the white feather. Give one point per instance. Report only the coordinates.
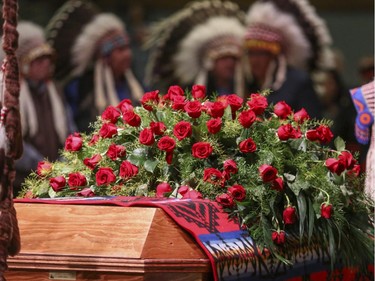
(188, 60)
(85, 45)
(297, 46)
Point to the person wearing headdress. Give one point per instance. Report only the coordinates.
(45, 118)
(200, 44)
(286, 44)
(94, 60)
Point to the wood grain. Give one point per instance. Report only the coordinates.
(104, 243)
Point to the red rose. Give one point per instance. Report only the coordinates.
(57, 183)
(213, 176)
(225, 200)
(128, 170)
(182, 130)
(355, 171)
(193, 109)
(335, 166)
(230, 167)
(158, 128)
(267, 173)
(301, 116)
(289, 215)
(326, 210)
(146, 137)
(94, 139)
(76, 179)
(201, 150)
(257, 103)
(93, 161)
(198, 91)
(163, 188)
(73, 142)
(131, 118)
(247, 118)
(323, 134)
(86, 192)
(282, 109)
(238, 192)
(150, 99)
(108, 130)
(278, 184)
(278, 237)
(214, 109)
(312, 135)
(125, 105)
(111, 114)
(287, 131)
(214, 125)
(247, 146)
(235, 103)
(104, 176)
(178, 103)
(44, 168)
(183, 189)
(174, 91)
(116, 151)
(166, 143)
(192, 194)
(347, 158)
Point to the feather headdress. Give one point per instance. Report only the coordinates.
(76, 32)
(186, 43)
(302, 34)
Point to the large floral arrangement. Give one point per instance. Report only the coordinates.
(266, 165)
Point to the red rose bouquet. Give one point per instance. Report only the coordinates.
(266, 165)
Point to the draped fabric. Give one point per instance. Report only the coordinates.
(232, 251)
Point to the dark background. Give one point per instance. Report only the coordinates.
(351, 22)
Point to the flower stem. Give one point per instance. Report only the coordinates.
(326, 193)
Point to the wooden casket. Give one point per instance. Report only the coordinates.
(90, 242)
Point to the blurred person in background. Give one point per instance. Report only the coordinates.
(94, 60)
(200, 44)
(45, 117)
(286, 42)
(338, 107)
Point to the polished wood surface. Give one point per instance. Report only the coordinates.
(89, 242)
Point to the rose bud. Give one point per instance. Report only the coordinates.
(289, 215)
(278, 237)
(44, 168)
(163, 188)
(282, 109)
(326, 210)
(192, 194)
(301, 116)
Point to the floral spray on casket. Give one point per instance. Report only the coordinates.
(268, 166)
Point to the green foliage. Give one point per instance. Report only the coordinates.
(300, 162)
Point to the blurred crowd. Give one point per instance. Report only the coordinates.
(86, 59)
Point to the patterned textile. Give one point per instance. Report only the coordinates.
(364, 101)
(232, 251)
